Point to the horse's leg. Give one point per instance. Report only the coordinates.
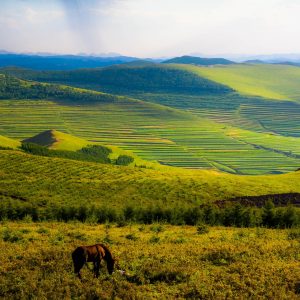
(79, 275)
(78, 267)
(97, 267)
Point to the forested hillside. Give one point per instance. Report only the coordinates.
(13, 88)
(143, 77)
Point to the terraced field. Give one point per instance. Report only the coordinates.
(41, 180)
(176, 139)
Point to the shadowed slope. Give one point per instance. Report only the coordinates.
(54, 139)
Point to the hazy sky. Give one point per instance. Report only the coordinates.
(154, 28)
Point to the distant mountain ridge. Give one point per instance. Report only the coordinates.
(60, 62)
(198, 61)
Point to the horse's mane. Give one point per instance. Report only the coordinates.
(108, 255)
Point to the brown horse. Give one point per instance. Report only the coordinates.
(95, 254)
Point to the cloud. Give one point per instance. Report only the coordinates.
(151, 27)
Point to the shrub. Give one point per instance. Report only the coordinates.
(11, 236)
(294, 235)
(124, 160)
(42, 230)
(157, 228)
(202, 229)
(131, 236)
(154, 239)
(220, 257)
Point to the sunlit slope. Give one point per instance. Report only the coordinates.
(57, 140)
(152, 134)
(6, 142)
(269, 81)
(43, 180)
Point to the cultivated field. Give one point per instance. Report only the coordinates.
(45, 181)
(153, 133)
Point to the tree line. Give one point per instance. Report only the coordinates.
(91, 153)
(235, 215)
(13, 88)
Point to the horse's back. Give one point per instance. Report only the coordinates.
(90, 253)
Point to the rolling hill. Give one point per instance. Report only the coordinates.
(64, 182)
(280, 82)
(140, 76)
(193, 136)
(192, 60)
(57, 140)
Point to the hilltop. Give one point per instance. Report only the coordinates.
(54, 139)
(192, 60)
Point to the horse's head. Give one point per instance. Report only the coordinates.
(111, 265)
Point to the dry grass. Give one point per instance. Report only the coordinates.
(161, 261)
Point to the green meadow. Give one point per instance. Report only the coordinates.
(280, 82)
(51, 180)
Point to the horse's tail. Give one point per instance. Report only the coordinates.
(79, 258)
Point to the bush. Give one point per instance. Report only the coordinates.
(131, 236)
(11, 236)
(294, 234)
(94, 153)
(157, 228)
(154, 239)
(124, 160)
(202, 229)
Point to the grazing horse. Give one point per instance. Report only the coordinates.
(95, 254)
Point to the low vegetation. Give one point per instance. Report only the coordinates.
(174, 262)
(56, 188)
(92, 153)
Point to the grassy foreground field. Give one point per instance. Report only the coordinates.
(161, 261)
